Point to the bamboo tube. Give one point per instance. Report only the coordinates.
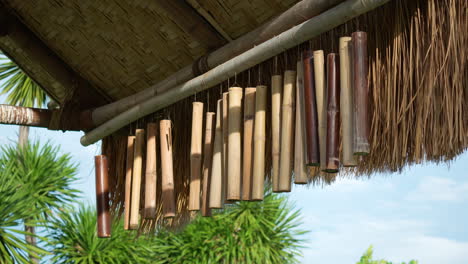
(102, 196)
(287, 131)
(225, 125)
(258, 178)
(168, 196)
(311, 118)
(216, 198)
(346, 102)
(196, 156)
(234, 144)
(300, 141)
(136, 178)
(249, 117)
(150, 176)
(361, 93)
(333, 109)
(321, 96)
(276, 87)
(207, 163)
(128, 180)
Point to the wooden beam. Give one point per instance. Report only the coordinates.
(192, 23)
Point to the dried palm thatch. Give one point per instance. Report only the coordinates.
(418, 80)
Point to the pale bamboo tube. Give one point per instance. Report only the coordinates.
(216, 192)
(207, 163)
(136, 179)
(300, 141)
(346, 102)
(128, 180)
(287, 131)
(249, 117)
(258, 180)
(276, 89)
(150, 177)
(196, 156)
(167, 177)
(234, 144)
(321, 97)
(225, 125)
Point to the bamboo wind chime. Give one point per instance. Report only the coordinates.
(102, 197)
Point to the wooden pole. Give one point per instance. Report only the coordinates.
(102, 196)
(225, 125)
(136, 178)
(311, 117)
(361, 93)
(249, 120)
(300, 141)
(196, 156)
(287, 131)
(234, 142)
(333, 111)
(128, 180)
(321, 96)
(346, 102)
(168, 195)
(276, 89)
(216, 187)
(150, 177)
(258, 179)
(207, 163)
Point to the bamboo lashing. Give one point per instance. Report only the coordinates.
(311, 118)
(150, 176)
(321, 96)
(346, 102)
(234, 144)
(258, 178)
(287, 131)
(361, 93)
(276, 89)
(333, 109)
(249, 120)
(136, 177)
(207, 163)
(167, 176)
(102, 196)
(225, 126)
(128, 180)
(217, 183)
(196, 156)
(300, 168)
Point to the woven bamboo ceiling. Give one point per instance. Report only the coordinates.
(122, 47)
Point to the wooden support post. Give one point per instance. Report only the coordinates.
(196, 156)
(234, 144)
(249, 117)
(136, 178)
(300, 140)
(168, 195)
(150, 176)
(276, 89)
(310, 103)
(321, 97)
(102, 196)
(259, 143)
(207, 163)
(333, 111)
(128, 180)
(216, 187)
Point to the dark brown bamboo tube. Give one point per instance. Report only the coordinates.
(258, 178)
(225, 125)
(321, 98)
(167, 182)
(276, 90)
(128, 180)
(102, 196)
(216, 198)
(207, 162)
(300, 155)
(150, 176)
(136, 177)
(287, 131)
(361, 93)
(249, 119)
(346, 102)
(196, 156)
(234, 144)
(333, 111)
(311, 117)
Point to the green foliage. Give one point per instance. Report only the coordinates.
(367, 258)
(21, 89)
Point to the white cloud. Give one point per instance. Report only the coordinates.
(439, 189)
